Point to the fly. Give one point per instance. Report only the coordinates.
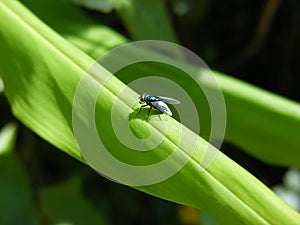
(157, 102)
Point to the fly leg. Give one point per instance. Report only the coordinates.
(149, 112)
(140, 109)
(159, 116)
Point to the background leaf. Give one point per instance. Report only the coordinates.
(73, 207)
(76, 27)
(16, 198)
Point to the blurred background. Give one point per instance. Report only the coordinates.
(255, 41)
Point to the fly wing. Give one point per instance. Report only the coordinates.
(168, 100)
(162, 107)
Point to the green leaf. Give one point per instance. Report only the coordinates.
(35, 69)
(76, 27)
(41, 72)
(262, 123)
(105, 6)
(8, 135)
(148, 20)
(1, 86)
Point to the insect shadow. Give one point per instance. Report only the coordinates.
(145, 113)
